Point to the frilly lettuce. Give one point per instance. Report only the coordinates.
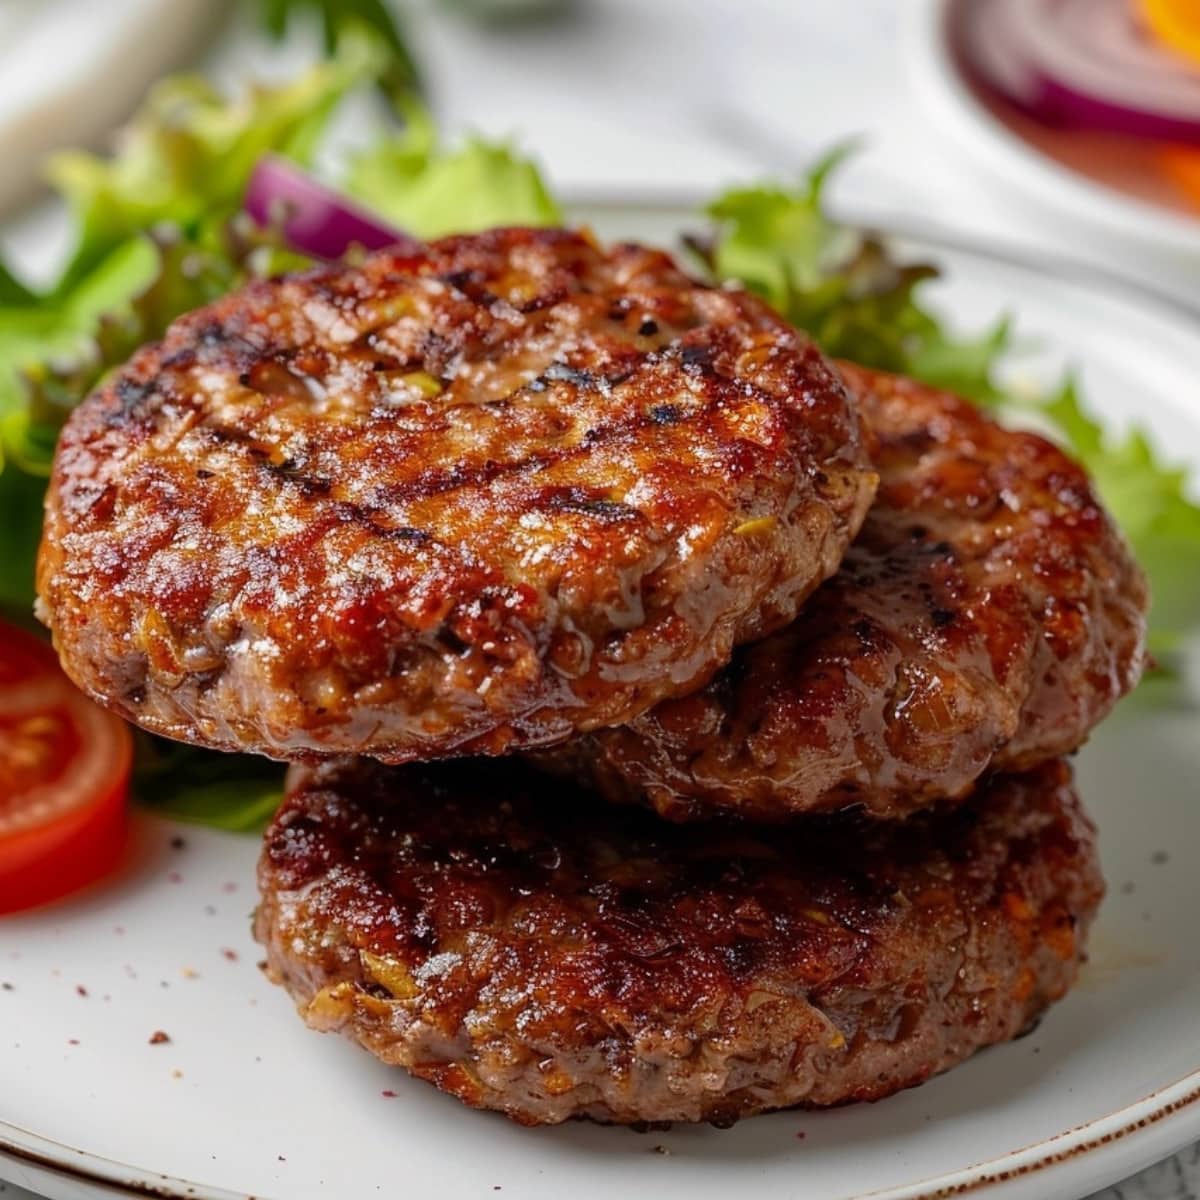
(844, 286)
(428, 190)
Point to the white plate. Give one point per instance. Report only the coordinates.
(1085, 209)
(243, 1101)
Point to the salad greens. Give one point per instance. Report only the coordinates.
(428, 190)
(843, 286)
(160, 231)
(400, 75)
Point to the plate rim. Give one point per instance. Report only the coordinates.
(46, 1155)
(977, 132)
(1135, 1136)
(1171, 1111)
(1073, 270)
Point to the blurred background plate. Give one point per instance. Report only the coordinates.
(1086, 210)
(239, 1099)
(72, 69)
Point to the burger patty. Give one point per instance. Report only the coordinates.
(988, 616)
(474, 497)
(553, 960)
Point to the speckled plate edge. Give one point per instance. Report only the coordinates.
(46, 1166)
(1164, 1122)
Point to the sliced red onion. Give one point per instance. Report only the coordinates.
(1085, 64)
(315, 219)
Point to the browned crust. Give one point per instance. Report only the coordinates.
(988, 616)
(265, 533)
(551, 958)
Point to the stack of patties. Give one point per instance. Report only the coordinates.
(758, 673)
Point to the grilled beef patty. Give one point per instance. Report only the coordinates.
(555, 957)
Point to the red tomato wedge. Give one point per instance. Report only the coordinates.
(64, 778)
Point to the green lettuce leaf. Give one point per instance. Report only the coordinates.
(235, 792)
(778, 241)
(41, 336)
(185, 158)
(428, 191)
(843, 285)
(400, 75)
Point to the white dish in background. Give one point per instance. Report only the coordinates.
(71, 70)
(1085, 209)
(244, 1101)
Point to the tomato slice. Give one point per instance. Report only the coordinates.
(64, 778)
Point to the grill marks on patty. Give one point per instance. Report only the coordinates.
(588, 474)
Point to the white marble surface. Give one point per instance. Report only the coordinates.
(675, 97)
